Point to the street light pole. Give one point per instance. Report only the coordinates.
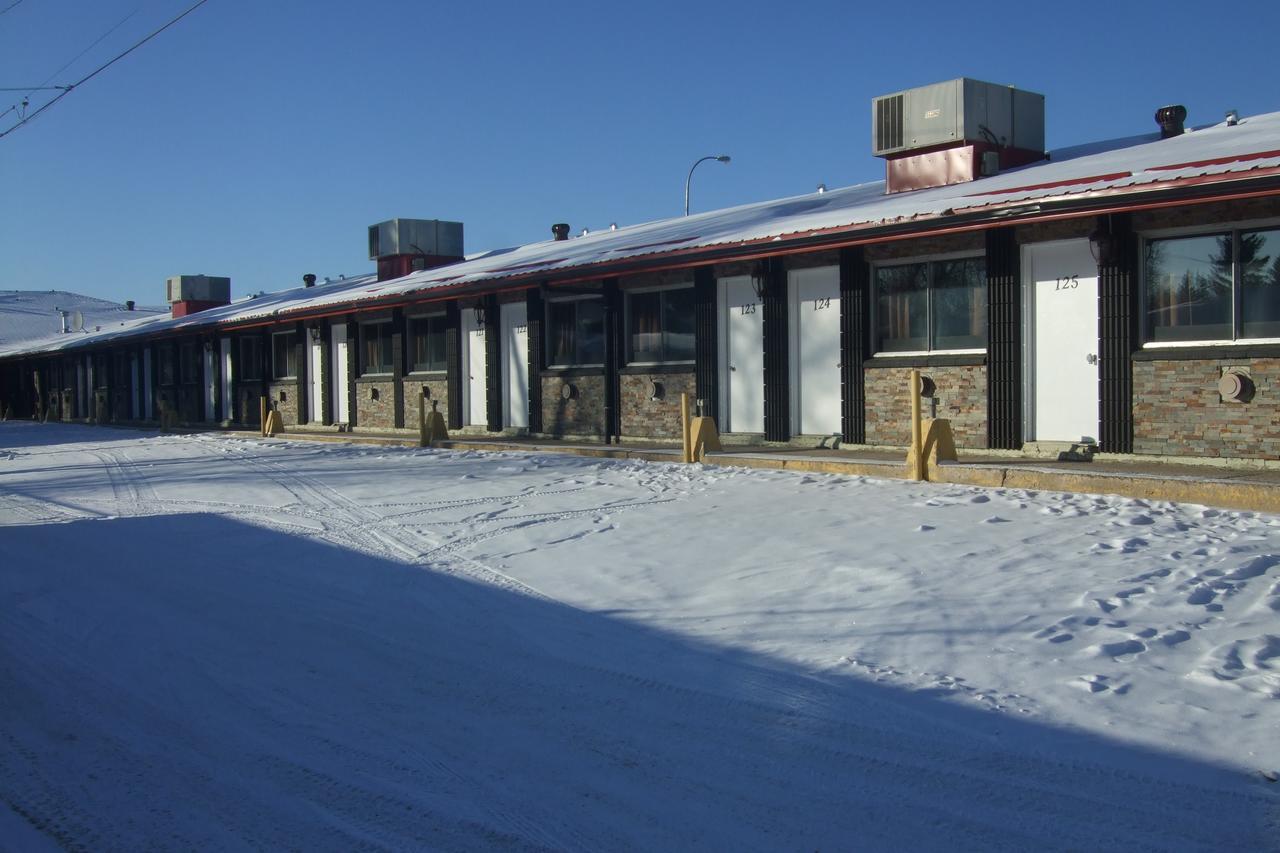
(722, 158)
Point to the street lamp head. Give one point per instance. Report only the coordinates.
(723, 158)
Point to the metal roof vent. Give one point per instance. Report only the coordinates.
(1170, 119)
(560, 230)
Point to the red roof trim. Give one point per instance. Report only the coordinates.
(1217, 161)
(1113, 176)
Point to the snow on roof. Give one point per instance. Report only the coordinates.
(1215, 153)
(28, 318)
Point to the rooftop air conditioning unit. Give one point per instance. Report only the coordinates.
(415, 237)
(956, 112)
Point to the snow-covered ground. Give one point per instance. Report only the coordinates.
(217, 643)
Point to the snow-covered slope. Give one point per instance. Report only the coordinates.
(209, 644)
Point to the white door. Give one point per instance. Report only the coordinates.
(741, 355)
(135, 388)
(148, 404)
(473, 370)
(814, 296)
(224, 352)
(1060, 281)
(210, 386)
(515, 364)
(338, 385)
(315, 407)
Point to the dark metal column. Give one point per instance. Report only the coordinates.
(706, 331)
(1004, 340)
(612, 359)
(453, 362)
(855, 343)
(1117, 330)
(534, 318)
(777, 376)
(493, 364)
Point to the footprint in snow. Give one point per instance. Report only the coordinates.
(979, 499)
(925, 528)
(995, 519)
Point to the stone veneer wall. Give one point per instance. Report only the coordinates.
(961, 393)
(644, 417)
(581, 415)
(437, 384)
(376, 413)
(284, 399)
(1177, 409)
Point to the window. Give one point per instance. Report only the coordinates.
(284, 355)
(190, 363)
(660, 326)
(575, 332)
(168, 367)
(250, 366)
(937, 305)
(426, 336)
(1213, 287)
(375, 348)
(100, 375)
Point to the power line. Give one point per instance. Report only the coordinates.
(10, 6)
(100, 68)
(29, 88)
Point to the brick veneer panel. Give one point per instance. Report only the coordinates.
(643, 416)
(437, 384)
(961, 393)
(284, 399)
(1207, 214)
(247, 395)
(581, 415)
(379, 413)
(1177, 410)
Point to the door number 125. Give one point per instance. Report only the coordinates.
(1068, 282)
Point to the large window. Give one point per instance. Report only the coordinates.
(427, 343)
(660, 326)
(1213, 287)
(284, 355)
(575, 333)
(375, 348)
(189, 363)
(938, 305)
(168, 365)
(250, 366)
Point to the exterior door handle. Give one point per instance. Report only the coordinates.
(733, 367)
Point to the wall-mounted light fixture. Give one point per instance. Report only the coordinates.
(1102, 245)
(480, 314)
(757, 284)
(314, 332)
(208, 345)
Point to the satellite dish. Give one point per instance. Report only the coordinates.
(77, 322)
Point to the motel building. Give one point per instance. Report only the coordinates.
(1123, 296)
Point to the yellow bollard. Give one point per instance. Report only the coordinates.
(915, 456)
(262, 416)
(686, 438)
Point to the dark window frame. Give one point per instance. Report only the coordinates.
(933, 297)
(249, 367)
(436, 326)
(576, 338)
(385, 332)
(167, 369)
(189, 363)
(1238, 299)
(665, 355)
(290, 338)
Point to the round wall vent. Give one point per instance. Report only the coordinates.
(1235, 386)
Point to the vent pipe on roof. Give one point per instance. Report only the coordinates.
(1233, 118)
(309, 280)
(1170, 119)
(560, 230)
(128, 305)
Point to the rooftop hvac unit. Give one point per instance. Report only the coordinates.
(198, 288)
(956, 112)
(415, 237)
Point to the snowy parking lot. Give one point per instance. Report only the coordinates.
(216, 643)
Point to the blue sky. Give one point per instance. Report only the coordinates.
(259, 139)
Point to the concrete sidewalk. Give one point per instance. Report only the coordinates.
(1246, 488)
